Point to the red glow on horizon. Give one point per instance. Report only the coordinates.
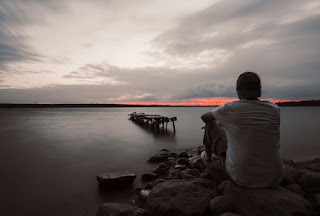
(198, 102)
(191, 102)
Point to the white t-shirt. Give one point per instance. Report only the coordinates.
(253, 131)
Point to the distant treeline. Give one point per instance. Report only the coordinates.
(3, 105)
(300, 103)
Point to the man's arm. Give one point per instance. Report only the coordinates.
(208, 117)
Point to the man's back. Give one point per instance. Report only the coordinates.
(253, 132)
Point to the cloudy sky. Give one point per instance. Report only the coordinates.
(156, 51)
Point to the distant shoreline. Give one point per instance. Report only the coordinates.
(87, 105)
(14, 105)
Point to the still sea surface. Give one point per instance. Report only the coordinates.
(49, 158)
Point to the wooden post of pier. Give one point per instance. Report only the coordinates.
(174, 127)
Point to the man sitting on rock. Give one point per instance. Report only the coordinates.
(251, 138)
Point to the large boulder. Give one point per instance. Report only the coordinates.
(295, 188)
(183, 161)
(186, 175)
(194, 172)
(221, 204)
(313, 165)
(181, 197)
(198, 163)
(158, 157)
(180, 167)
(184, 154)
(149, 176)
(117, 209)
(144, 194)
(173, 154)
(165, 151)
(267, 201)
(162, 170)
(171, 162)
(288, 162)
(310, 182)
(119, 178)
(216, 172)
(291, 175)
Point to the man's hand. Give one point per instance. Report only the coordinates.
(208, 117)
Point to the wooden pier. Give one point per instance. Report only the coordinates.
(153, 120)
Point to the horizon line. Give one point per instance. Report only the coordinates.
(145, 104)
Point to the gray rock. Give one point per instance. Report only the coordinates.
(164, 151)
(160, 180)
(216, 172)
(288, 162)
(295, 188)
(313, 165)
(176, 173)
(310, 182)
(170, 163)
(149, 176)
(181, 197)
(201, 149)
(291, 175)
(144, 195)
(205, 175)
(194, 172)
(183, 161)
(117, 209)
(169, 176)
(173, 155)
(163, 165)
(225, 187)
(171, 159)
(151, 185)
(158, 157)
(198, 164)
(186, 175)
(221, 204)
(162, 170)
(137, 190)
(180, 167)
(184, 154)
(267, 201)
(116, 178)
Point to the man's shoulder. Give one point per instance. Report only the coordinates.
(270, 104)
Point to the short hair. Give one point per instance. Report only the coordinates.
(249, 85)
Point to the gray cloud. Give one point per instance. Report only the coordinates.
(277, 39)
(206, 90)
(161, 81)
(72, 94)
(15, 14)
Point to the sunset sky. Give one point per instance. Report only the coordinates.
(156, 51)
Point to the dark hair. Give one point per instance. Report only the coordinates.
(248, 86)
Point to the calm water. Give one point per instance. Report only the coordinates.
(49, 157)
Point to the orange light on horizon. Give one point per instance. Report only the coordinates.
(191, 102)
(198, 102)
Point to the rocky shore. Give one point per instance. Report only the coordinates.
(183, 185)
